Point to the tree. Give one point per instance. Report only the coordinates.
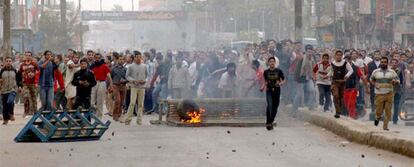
(56, 37)
(6, 48)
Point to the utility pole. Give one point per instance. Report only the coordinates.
(393, 21)
(6, 48)
(263, 22)
(26, 14)
(100, 5)
(248, 19)
(80, 26)
(132, 5)
(334, 23)
(63, 14)
(298, 20)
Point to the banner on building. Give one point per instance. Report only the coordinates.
(131, 15)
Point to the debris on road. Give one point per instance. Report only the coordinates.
(228, 132)
(233, 151)
(71, 149)
(362, 156)
(125, 148)
(113, 133)
(159, 147)
(273, 143)
(343, 143)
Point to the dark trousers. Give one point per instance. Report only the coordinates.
(119, 94)
(397, 106)
(272, 99)
(7, 107)
(325, 96)
(60, 100)
(82, 101)
(148, 99)
(372, 98)
(338, 89)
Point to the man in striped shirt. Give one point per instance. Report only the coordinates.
(384, 80)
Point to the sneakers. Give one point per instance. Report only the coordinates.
(386, 129)
(376, 122)
(5, 122)
(337, 116)
(12, 118)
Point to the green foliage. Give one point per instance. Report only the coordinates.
(56, 36)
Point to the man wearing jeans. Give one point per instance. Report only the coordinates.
(161, 89)
(102, 74)
(274, 78)
(46, 78)
(136, 75)
(322, 76)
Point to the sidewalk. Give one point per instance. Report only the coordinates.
(400, 138)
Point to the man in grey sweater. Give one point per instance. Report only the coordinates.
(136, 75)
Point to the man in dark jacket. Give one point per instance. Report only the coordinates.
(83, 80)
(373, 65)
(11, 83)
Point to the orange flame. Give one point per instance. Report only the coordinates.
(195, 116)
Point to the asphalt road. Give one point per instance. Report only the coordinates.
(292, 143)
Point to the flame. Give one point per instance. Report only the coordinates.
(195, 116)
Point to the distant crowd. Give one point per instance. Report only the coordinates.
(131, 83)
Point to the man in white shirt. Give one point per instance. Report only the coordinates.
(70, 90)
(227, 82)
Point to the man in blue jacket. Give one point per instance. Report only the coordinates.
(46, 77)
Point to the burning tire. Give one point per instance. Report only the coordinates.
(187, 110)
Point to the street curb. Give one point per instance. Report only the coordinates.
(359, 133)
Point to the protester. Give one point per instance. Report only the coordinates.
(60, 101)
(46, 80)
(179, 80)
(102, 75)
(73, 66)
(384, 80)
(84, 81)
(228, 82)
(323, 77)
(341, 72)
(161, 75)
(28, 70)
(373, 65)
(136, 75)
(118, 75)
(11, 82)
(274, 78)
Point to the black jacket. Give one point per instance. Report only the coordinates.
(83, 75)
(371, 67)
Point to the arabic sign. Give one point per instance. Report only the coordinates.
(131, 15)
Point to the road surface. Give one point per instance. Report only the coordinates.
(292, 144)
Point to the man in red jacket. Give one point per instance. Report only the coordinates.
(28, 70)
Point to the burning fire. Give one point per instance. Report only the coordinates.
(195, 116)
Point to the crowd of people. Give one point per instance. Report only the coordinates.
(131, 83)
